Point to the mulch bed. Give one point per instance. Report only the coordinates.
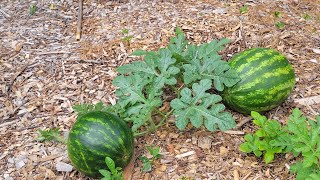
(44, 71)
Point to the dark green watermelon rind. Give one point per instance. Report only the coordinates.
(263, 88)
(109, 136)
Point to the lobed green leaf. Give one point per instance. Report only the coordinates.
(201, 108)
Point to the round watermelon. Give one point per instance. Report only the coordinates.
(95, 136)
(267, 79)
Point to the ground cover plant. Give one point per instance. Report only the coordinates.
(300, 136)
(188, 76)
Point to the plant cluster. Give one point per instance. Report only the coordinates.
(188, 74)
(300, 137)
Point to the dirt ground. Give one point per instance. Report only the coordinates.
(44, 70)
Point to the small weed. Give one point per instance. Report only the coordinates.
(306, 16)
(280, 25)
(244, 9)
(277, 14)
(147, 163)
(115, 173)
(125, 31)
(33, 9)
(127, 38)
(51, 135)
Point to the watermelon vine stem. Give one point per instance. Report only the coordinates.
(154, 126)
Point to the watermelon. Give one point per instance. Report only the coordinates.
(267, 79)
(95, 136)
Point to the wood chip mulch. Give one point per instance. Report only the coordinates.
(44, 71)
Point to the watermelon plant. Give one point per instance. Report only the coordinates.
(184, 75)
(299, 137)
(267, 79)
(95, 136)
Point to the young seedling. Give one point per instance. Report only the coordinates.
(32, 9)
(280, 25)
(51, 135)
(114, 173)
(147, 163)
(277, 14)
(127, 37)
(306, 16)
(244, 9)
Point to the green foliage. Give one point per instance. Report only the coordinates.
(147, 163)
(141, 84)
(127, 38)
(33, 9)
(244, 9)
(277, 14)
(263, 140)
(200, 108)
(114, 173)
(50, 135)
(83, 109)
(299, 137)
(306, 16)
(187, 178)
(280, 25)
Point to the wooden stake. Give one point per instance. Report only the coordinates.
(79, 23)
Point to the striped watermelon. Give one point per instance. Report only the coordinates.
(96, 135)
(267, 79)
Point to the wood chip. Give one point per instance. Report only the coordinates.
(47, 158)
(64, 167)
(308, 101)
(185, 154)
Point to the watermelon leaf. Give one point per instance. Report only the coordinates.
(161, 70)
(200, 108)
(206, 63)
(84, 108)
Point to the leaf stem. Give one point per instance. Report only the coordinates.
(61, 139)
(161, 113)
(153, 125)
